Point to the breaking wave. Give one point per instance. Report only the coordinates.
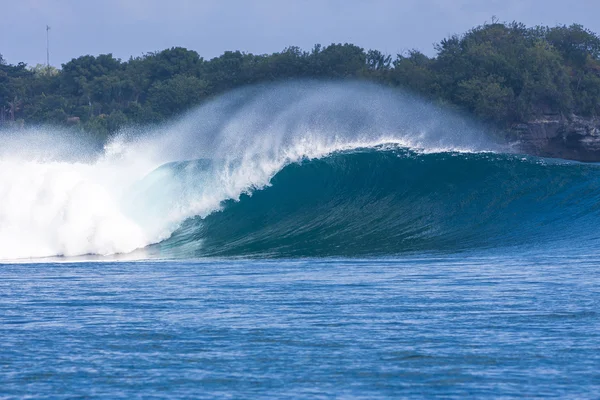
(301, 169)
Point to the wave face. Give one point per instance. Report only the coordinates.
(302, 169)
(387, 201)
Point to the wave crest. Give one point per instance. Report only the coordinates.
(61, 195)
(377, 202)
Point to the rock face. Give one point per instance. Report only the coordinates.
(574, 138)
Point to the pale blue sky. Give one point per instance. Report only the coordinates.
(134, 27)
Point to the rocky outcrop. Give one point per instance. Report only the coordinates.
(574, 138)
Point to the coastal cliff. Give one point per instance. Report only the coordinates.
(574, 138)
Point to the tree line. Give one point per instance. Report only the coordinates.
(500, 73)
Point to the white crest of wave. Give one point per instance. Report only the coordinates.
(61, 195)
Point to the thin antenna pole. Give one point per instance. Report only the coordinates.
(48, 47)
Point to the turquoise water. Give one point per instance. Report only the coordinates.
(304, 240)
(451, 326)
(387, 201)
(372, 273)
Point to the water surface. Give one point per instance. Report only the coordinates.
(472, 325)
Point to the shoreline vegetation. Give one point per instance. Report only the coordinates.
(504, 75)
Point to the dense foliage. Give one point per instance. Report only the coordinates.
(501, 73)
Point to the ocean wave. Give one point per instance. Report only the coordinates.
(389, 200)
(177, 189)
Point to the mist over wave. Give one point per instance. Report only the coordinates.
(63, 195)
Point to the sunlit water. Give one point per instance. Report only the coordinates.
(447, 326)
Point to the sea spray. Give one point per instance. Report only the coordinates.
(61, 195)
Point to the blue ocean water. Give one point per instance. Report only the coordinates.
(481, 325)
(299, 241)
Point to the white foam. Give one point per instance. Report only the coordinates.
(60, 199)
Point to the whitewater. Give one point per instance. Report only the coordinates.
(62, 194)
(300, 240)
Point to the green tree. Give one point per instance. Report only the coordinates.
(501, 73)
(377, 61)
(176, 95)
(338, 61)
